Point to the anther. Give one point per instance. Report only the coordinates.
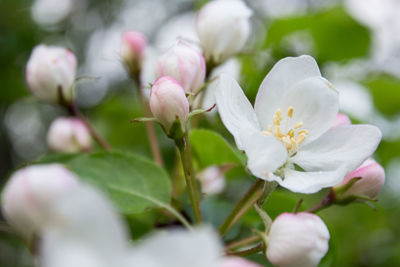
(290, 111)
(298, 125)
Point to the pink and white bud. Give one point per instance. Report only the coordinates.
(237, 262)
(29, 194)
(212, 180)
(132, 50)
(184, 63)
(341, 119)
(299, 239)
(51, 69)
(223, 27)
(372, 178)
(68, 135)
(168, 101)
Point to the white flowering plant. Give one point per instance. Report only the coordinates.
(203, 176)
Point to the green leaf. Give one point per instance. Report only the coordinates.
(385, 90)
(132, 182)
(211, 148)
(336, 35)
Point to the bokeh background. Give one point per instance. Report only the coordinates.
(356, 43)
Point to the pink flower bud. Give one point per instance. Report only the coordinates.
(184, 63)
(223, 27)
(168, 101)
(68, 135)
(299, 239)
(132, 49)
(237, 262)
(341, 119)
(372, 178)
(49, 70)
(29, 193)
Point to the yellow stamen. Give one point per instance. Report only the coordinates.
(290, 111)
(298, 125)
(300, 139)
(290, 139)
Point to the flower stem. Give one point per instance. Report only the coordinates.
(150, 130)
(247, 201)
(73, 109)
(243, 242)
(323, 204)
(247, 252)
(188, 170)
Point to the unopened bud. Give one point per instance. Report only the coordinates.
(223, 27)
(299, 239)
(237, 262)
(212, 179)
(29, 194)
(132, 50)
(68, 135)
(370, 177)
(168, 103)
(184, 63)
(50, 72)
(341, 119)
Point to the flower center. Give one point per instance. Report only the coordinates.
(293, 137)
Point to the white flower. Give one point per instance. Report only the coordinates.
(83, 230)
(68, 135)
(184, 63)
(290, 127)
(168, 101)
(30, 192)
(50, 69)
(298, 240)
(223, 27)
(178, 248)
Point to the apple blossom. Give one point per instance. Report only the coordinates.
(68, 135)
(290, 127)
(132, 50)
(49, 70)
(184, 63)
(297, 240)
(223, 27)
(371, 179)
(168, 102)
(29, 194)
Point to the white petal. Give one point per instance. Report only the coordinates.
(345, 146)
(315, 103)
(235, 110)
(265, 154)
(310, 182)
(179, 248)
(282, 77)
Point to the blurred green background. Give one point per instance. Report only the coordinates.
(355, 43)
